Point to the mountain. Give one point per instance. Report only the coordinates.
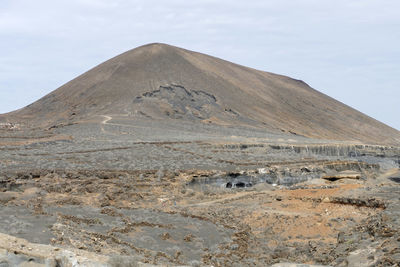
(162, 82)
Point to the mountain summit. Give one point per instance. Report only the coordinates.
(159, 82)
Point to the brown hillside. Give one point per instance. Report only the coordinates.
(159, 81)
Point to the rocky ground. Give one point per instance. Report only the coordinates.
(114, 194)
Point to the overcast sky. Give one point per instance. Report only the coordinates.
(347, 49)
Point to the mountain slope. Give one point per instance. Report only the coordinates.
(159, 81)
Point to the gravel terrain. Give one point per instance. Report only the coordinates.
(167, 157)
(253, 199)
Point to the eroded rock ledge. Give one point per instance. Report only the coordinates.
(19, 252)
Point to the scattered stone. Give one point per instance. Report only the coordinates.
(285, 264)
(165, 236)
